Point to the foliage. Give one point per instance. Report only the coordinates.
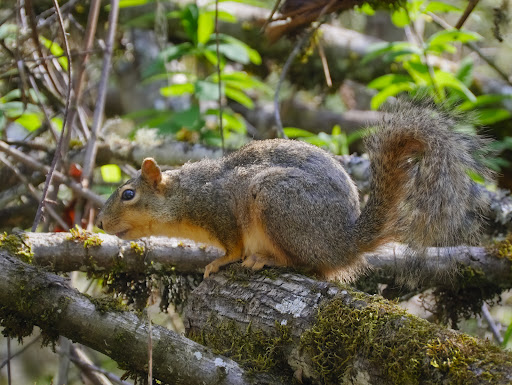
(337, 142)
(202, 84)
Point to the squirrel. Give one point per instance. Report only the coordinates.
(281, 202)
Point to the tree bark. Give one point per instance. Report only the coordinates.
(62, 252)
(30, 296)
(330, 334)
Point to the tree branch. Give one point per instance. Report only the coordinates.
(35, 297)
(330, 334)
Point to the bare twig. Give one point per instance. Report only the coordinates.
(217, 45)
(79, 358)
(287, 65)
(33, 191)
(57, 154)
(58, 176)
(21, 351)
(492, 325)
(471, 5)
(92, 148)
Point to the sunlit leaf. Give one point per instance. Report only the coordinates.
(387, 80)
(111, 173)
(452, 36)
(177, 89)
(400, 18)
(55, 50)
(30, 121)
(294, 132)
(205, 27)
(392, 90)
(492, 115)
(438, 6)
(239, 97)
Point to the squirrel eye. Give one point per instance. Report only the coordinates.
(127, 195)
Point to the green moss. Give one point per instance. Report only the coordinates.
(19, 319)
(137, 247)
(502, 249)
(106, 303)
(464, 296)
(15, 244)
(408, 350)
(254, 349)
(80, 235)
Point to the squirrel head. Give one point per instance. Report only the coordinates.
(132, 210)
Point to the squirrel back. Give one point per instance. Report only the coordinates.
(288, 203)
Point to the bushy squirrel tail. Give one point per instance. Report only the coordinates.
(422, 191)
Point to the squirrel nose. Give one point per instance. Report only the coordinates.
(99, 224)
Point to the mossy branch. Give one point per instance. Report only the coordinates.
(330, 334)
(30, 296)
(100, 253)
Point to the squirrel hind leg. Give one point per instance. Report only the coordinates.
(258, 261)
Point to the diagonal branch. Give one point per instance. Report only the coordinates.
(36, 297)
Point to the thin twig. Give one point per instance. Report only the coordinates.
(56, 156)
(58, 176)
(287, 65)
(33, 191)
(269, 19)
(471, 5)
(81, 360)
(22, 350)
(492, 325)
(325, 65)
(92, 148)
(217, 45)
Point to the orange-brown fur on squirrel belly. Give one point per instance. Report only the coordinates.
(287, 203)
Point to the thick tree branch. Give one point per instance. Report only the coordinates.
(330, 334)
(32, 296)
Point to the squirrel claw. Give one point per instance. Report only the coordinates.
(210, 268)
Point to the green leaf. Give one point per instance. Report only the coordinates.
(366, 9)
(390, 51)
(205, 90)
(293, 132)
(483, 100)
(452, 36)
(446, 79)
(111, 173)
(223, 15)
(55, 50)
(239, 97)
(418, 72)
(386, 80)
(30, 121)
(400, 18)
(167, 55)
(233, 52)
(177, 89)
(465, 71)
(508, 334)
(189, 21)
(11, 95)
(253, 55)
(205, 27)
(492, 115)
(438, 6)
(190, 119)
(133, 3)
(392, 90)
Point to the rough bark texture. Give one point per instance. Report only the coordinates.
(29, 296)
(330, 334)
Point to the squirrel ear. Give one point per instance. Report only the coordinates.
(150, 171)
